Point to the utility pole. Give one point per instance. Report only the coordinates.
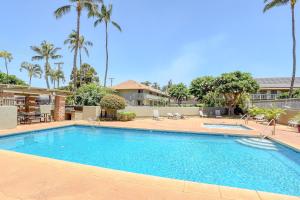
(59, 64)
(111, 81)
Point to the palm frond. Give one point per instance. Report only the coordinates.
(37, 58)
(274, 3)
(62, 11)
(98, 21)
(117, 26)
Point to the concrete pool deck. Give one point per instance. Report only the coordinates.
(30, 177)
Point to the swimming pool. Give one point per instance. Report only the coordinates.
(226, 126)
(194, 157)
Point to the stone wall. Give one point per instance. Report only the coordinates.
(90, 112)
(289, 114)
(59, 109)
(8, 117)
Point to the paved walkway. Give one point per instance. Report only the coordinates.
(27, 177)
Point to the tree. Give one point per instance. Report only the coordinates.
(7, 58)
(147, 83)
(202, 86)
(112, 103)
(155, 85)
(179, 92)
(46, 51)
(82, 45)
(91, 94)
(10, 79)
(88, 74)
(274, 3)
(79, 5)
(105, 15)
(233, 85)
(33, 70)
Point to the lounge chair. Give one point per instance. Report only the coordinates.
(202, 114)
(179, 116)
(293, 123)
(218, 114)
(170, 116)
(156, 115)
(259, 118)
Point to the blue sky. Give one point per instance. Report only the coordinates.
(161, 39)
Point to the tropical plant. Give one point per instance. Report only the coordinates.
(275, 3)
(7, 58)
(33, 70)
(273, 113)
(91, 94)
(256, 111)
(104, 15)
(233, 85)
(82, 45)
(126, 116)
(46, 51)
(179, 92)
(88, 74)
(79, 5)
(10, 79)
(111, 103)
(202, 86)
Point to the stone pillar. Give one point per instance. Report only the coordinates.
(59, 109)
(30, 104)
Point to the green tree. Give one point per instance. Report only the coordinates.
(147, 83)
(79, 5)
(7, 58)
(104, 15)
(33, 70)
(275, 3)
(88, 74)
(213, 99)
(179, 92)
(11, 79)
(111, 103)
(155, 85)
(46, 51)
(91, 94)
(233, 85)
(202, 86)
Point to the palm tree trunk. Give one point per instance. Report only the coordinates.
(76, 50)
(58, 83)
(294, 50)
(7, 79)
(80, 69)
(106, 48)
(46, 73)
(29, 81)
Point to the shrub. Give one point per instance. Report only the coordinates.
(111, 103)
(126, 116)
(256, 111)
(273, 113)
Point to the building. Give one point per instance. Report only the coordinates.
(271, 88)
(137, 94)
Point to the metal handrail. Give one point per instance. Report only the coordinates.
(245, 115)
(261, 133)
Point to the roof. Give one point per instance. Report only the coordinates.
(26, 90)
(277, 82)
(133, 85)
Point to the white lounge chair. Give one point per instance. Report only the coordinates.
(218, 114)
(293, 123)
(156, 115)
(202, 114)
(179, 116)
(259, 118)
(170, 116)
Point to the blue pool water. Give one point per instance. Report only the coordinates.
(226, 126)
(201, 158)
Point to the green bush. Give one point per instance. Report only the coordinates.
(273, 113)
(112, 102)
(256, 111)
(126, 116)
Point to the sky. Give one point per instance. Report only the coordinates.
(161, 39)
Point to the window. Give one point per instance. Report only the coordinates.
(140, 91)
(273, 91)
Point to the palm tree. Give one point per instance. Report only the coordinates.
(83, 45)
(79, 5)
(60, 77)
(105, 15)
(33, 70)
(46, 51)
(274, 3)
(53, 77)
(7, 58)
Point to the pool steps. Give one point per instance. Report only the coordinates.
(258, 143)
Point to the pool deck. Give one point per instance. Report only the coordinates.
(27, 177)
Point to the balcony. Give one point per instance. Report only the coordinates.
(143, 96)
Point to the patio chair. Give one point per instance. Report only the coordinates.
(156, 115)
(218, 114)
(293, 123)
(179, 116)
(202, 114)
(170, 116)
(259, 118)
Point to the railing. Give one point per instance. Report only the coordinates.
(142, 96)
(265, 129)
(7, 101)
(264, 96)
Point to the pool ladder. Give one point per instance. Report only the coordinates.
(262, 135)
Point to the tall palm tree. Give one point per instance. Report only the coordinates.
(60, 77)
(7, 58)
(53, 77)
(46, 51)
(83, 45)
(104, 15)
(79, 5)
(274, 3)
(33, 70)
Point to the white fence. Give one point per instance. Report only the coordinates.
(280, 103)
